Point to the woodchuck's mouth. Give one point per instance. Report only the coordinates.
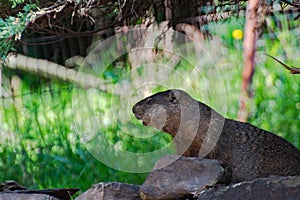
(139, 117)
(145, 123)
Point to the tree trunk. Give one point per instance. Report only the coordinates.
(249, 48)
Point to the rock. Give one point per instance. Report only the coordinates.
(20, 196)
(111, 191)
(177, 176)
(11, 185)
(12, 190)
(279, 188)
(62, 194)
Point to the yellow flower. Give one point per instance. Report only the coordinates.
(237, 34)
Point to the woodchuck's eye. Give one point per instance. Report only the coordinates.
(172, 97)
(149, 101)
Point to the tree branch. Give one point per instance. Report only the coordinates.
(292, 69)
(49, 69)
(191, 31)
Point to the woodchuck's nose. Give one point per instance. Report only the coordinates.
(136, 109)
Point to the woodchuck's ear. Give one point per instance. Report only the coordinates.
(173, 97)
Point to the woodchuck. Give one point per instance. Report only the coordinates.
(198, 130)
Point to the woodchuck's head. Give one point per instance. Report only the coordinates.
(163, 110)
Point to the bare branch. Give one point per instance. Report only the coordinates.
(292, 69)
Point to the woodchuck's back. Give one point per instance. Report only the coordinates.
(254, 153)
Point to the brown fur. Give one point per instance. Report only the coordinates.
(250, 152)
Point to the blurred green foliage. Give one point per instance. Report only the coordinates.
(275, 105)
(12, 27)
(40, 146)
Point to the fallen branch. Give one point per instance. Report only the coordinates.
(191, 31)
(49, 69)
(292, 69)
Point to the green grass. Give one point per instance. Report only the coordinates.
(41, 147)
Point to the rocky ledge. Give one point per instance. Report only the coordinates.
(173, 177)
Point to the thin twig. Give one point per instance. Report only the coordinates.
(292, 69)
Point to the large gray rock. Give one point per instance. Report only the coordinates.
(279, 188)
(177, 176)
(20, 196)
(111, 191)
